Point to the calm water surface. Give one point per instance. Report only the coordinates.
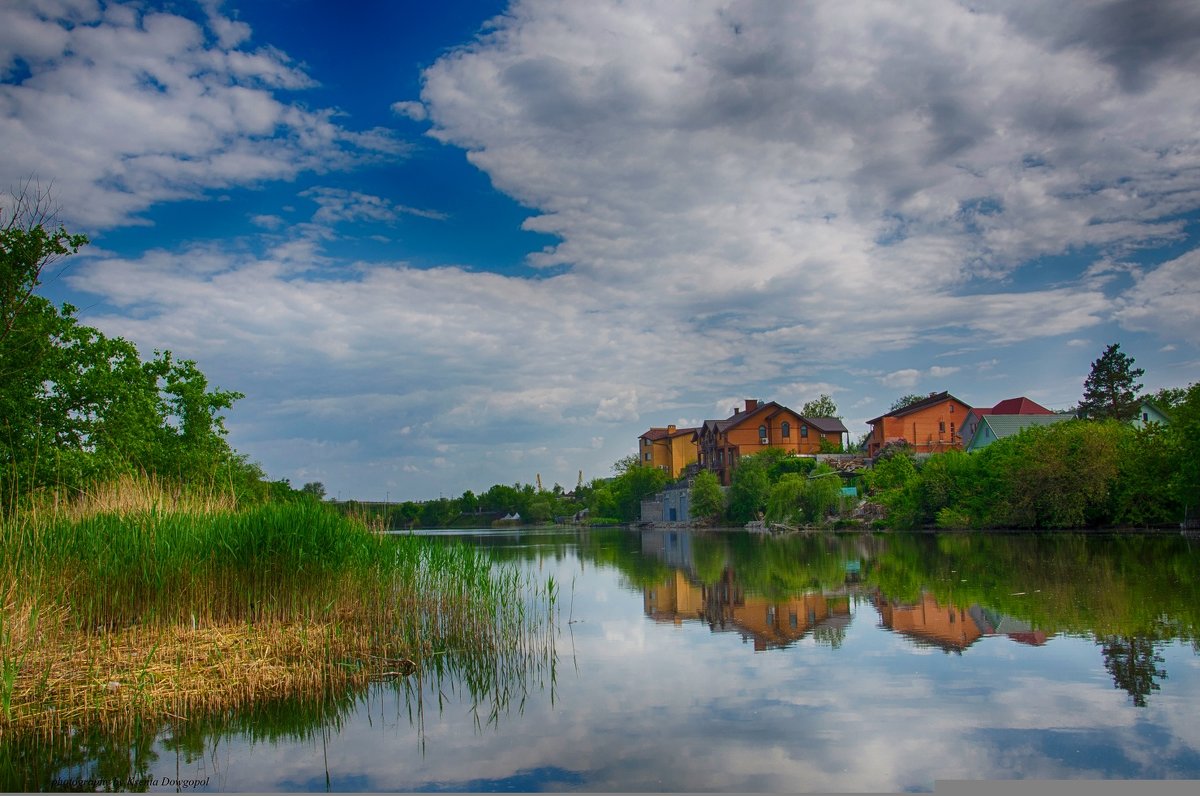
(729, 661)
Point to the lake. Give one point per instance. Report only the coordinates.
(730, 661)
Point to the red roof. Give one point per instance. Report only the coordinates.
(1019, 406)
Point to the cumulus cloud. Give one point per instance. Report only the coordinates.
(1165, 300)
(124, 107)
(908, 377)
(755, 164)
(413, 110)
(749, 200)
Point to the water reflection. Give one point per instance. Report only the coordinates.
(731, 661)
(726, 581)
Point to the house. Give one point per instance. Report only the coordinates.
(994, 427)
(929, 426)
(1150, 413)
(756, 427)
(670, 449)
(1009, 406)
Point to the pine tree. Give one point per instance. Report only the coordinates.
(1111, 389)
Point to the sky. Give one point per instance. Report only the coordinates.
(440, 246)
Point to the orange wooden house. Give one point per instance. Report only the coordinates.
(759, 426)
(670, 449)
(932, 425)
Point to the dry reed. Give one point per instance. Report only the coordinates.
(140, 604)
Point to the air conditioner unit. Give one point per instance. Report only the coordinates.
(762, 440)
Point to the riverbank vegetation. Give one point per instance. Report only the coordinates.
(117, 617)
(1074, 474)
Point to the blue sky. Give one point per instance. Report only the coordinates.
(441, 246)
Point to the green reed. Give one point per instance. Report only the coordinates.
(323, 584)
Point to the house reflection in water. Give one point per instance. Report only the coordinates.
(950, 628)
(928, 622)
(725, 607)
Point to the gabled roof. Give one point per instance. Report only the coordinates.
(932, 400)
(1006, 425)
(1019, 406)
(826, 425)
(741, 416)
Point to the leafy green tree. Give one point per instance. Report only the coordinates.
(705, 498)
(751, 485)
(1111, 389)
(1169, 397)
(77, 406)
(821, 407)
(29, 244)
(602, 503)
(314, 488)
(1184, 437)
(625, 464)
(634, 485)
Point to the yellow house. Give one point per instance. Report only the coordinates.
(670, 449)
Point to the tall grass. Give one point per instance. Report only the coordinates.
(154, 609)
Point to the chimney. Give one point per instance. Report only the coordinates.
(670, 429)
(751, 404)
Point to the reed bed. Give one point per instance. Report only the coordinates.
(153, 612)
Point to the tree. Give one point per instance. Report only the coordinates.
(821, 407)
(750, 486)
(1169, 397)
(314, 488)
(626, 463)
(707, 500)
(905, 401)
(1111, 389)
(1184, 434)
(77, 406)
(29, 243)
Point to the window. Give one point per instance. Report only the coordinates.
(804, 431)
(941, 426)
(951, 408)
(762, 432)
(1145, 418)
(786, 430)
(647, 456)
(951, 431)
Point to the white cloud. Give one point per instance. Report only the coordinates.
(1165, 300)
(907, 377)
(413, 110)
(122, 108)
(751, 200)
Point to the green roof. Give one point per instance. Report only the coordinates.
(994, 427)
